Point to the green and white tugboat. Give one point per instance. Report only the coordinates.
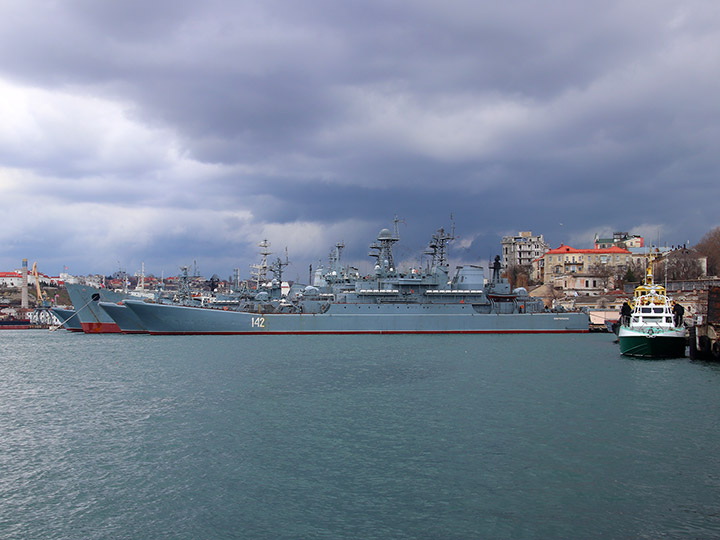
(652, 330)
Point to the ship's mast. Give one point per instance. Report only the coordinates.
(259, 271)
(277, 267)
(437, 248)
(184, 292)
(382, 249)
(141, 282)
(335, 268)
(335, 256)
(396, 221)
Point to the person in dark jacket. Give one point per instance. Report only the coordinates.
(678, 313)
(625, 312)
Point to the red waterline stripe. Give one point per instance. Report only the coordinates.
(350, 332)
(100, 328)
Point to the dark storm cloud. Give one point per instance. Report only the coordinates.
(279, 117)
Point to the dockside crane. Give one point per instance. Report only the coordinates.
(42, 314)
(42, 298)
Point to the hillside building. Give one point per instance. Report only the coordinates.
(620, 239)
(523, 249)
(585, 271)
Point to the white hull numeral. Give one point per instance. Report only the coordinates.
(257, 322)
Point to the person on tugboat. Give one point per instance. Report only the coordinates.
(678, 313)
(625, 312)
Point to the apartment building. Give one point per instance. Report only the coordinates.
(522, 249)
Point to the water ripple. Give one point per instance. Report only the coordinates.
(353, 437)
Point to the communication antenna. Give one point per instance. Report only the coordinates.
(397, 220)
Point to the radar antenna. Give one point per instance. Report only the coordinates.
(383, 248)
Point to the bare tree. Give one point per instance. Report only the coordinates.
(518, 275)
(634, 272)
(603, 272)
(710, 247)
(678, 265)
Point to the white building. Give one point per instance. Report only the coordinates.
(11, 279)
(14, 279)
(523, 249)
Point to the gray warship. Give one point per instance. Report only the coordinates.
(92, 318)
(340, 301)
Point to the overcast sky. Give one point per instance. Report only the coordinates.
(173, 131)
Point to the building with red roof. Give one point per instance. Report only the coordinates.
(582, 270)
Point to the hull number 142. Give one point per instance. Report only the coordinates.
(257, 322)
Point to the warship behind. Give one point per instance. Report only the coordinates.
(340, 301)
(125, 318)
(68, 318)
(92, 313)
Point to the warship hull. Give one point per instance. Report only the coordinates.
(93, 320)
(67, 318)
(125, 318)
(353, 319)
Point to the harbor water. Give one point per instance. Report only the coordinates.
(382, 436)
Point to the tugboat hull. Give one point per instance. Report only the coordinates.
(657, 346)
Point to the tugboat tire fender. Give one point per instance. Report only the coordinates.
(692, 342)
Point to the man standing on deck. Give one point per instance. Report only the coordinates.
(678, 313)
(625, 312)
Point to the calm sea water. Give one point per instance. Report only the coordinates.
(461, 437)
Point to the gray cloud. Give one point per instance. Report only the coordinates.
(197, 128)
